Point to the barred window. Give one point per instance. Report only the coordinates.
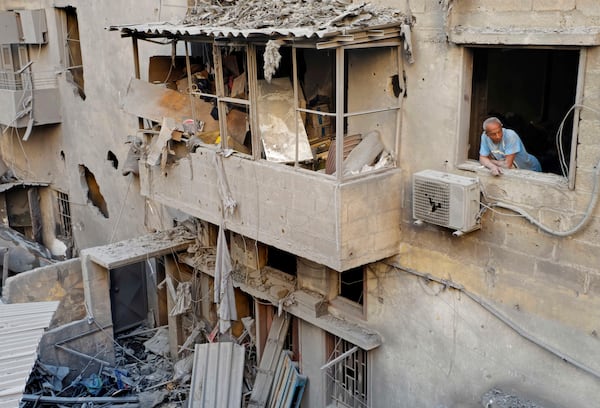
(64, 213)
(347, 377)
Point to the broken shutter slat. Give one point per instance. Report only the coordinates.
(268, 362)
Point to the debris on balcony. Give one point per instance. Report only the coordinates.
(278, 122)
(318, 14)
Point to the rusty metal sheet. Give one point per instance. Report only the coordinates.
(156, 102)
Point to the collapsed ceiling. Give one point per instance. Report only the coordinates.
(316, 14)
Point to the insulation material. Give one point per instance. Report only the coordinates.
(278, 122)
(223, 291)
(272, 59)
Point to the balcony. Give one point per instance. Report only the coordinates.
(338, 224)
(26, 96)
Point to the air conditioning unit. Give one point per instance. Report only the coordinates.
(446, 199)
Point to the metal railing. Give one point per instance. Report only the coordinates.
(25, 79)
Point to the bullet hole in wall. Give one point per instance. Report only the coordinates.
(62, 155)
(88, 182)
(110, 156)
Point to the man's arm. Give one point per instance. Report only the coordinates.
(507, 163)
(487, 162)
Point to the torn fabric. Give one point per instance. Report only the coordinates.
(229, 203)
(223, 291)
(183, 299)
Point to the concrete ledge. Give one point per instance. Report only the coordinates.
(520, 36)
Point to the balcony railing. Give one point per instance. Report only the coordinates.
(26, 80)
(26, 95)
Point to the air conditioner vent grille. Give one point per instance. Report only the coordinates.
(432, 201)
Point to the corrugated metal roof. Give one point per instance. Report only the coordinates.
(217, 375)
(170, 29)
(7, 186)
(22, 325)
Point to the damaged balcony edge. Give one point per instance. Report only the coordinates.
(362, 336)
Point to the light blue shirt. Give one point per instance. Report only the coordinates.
(510, 143)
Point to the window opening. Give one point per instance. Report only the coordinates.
(73, 48)
(530, 91)
(281, 260)
(64, 213)
(347, 379)
(351, 285)
(233, 98)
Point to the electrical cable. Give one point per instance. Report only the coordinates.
(588, 212)
(500, 316)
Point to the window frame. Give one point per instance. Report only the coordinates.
(343, 304)
(464, 118)
(336, 347)
(339, 113)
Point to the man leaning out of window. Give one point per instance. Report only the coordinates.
(503, 149)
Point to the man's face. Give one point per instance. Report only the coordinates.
(494, 132)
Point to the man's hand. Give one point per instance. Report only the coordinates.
(496, 170)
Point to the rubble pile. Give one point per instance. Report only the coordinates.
(317, 14)
(143, 372)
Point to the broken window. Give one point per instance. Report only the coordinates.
(346, 374)
(532, 91)
(72, 49)
(351, 285)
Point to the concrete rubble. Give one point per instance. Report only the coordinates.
(321, 14)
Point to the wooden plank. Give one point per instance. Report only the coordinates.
(154, 102)
(268, 362)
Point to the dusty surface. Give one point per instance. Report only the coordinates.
(319, 14)
(496, 398)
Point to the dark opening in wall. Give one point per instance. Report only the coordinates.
(110, 156)
(530, 91)
(73, 59)
(352, 285)
(281, 260)
(93, 190)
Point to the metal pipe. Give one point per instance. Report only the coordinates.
(78, 400)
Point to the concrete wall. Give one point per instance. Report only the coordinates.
(61, 281)
(91, 127)
(301, 212)
(440, 347)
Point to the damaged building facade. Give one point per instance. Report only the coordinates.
(303, 176)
